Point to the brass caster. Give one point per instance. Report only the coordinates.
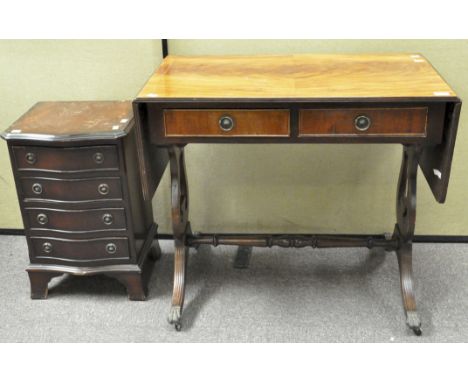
(417, 331)
(414, 323)
(174, 317)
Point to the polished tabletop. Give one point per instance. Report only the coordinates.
(308, 76)
(73, 120)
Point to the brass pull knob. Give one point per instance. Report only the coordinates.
(111, 248)
(42, 219)
(362, 122)
(107, 219)
(226, 123)
(31, 158)
(37, 188)
(103, 189)
(98, 158)
(47, 247)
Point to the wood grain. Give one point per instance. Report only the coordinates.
(71, 190)
(72, 118)
(206, 123)
(398, 121)
(77, 220)
(296, 76)
(83, 251)
(58, 159)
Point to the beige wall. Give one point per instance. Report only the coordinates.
(32, 71)
(247, 188)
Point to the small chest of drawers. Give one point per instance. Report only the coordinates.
(78, 179)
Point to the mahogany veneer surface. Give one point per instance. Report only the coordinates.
(246, 122)
(384, 121)
(296, 76)
(74, 118)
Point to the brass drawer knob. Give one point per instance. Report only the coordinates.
(362, 122)
(47, 247)
(103, 189)
(98, 158)
(111, 248)
(37, 188)
(42, 219)
(226, 123)
(31, 158)
(107, 219)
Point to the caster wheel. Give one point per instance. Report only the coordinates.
(178, 327)
(417, 331)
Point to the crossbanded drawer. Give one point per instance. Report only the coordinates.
(226, 123)
(362, 122)
(59, 159)
(49, 249)
(78, 221)
(71, 190)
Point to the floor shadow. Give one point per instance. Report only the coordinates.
(199, 276)
(86, 285)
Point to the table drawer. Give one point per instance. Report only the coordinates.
(87, 250)
(79, 221)
(75, 159)
(71, 190)
(228, 122)
(373, 122)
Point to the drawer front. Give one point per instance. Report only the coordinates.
(79, 221)
(71, 190)
(47, 249)
(228, 123)
(75, 159)
(358, 122)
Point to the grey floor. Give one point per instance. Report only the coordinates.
(287, 295)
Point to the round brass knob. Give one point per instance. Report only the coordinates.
(362, 122)
(37, 188)
(31, 158)
(42, 219)
(103, 189)
(111, 248)
(107, 219)
(98, 158)
(226, 123)
(47, 247)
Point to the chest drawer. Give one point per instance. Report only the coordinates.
(71, 190)
(228, 122)
(374, 122)
(99, 219)
(92, 250)
(57, 159)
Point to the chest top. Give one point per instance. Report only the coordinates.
(306, 76)
(73, 120)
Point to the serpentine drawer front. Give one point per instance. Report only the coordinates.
(226, 123)
(378, 121)
(100, 219)
(80, 251)
(71, 190)
(76, 159)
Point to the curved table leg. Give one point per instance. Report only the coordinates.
(404, 232)
(180, 227)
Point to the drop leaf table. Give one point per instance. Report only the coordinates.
(304, 99)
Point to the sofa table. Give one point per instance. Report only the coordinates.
(371, 98)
